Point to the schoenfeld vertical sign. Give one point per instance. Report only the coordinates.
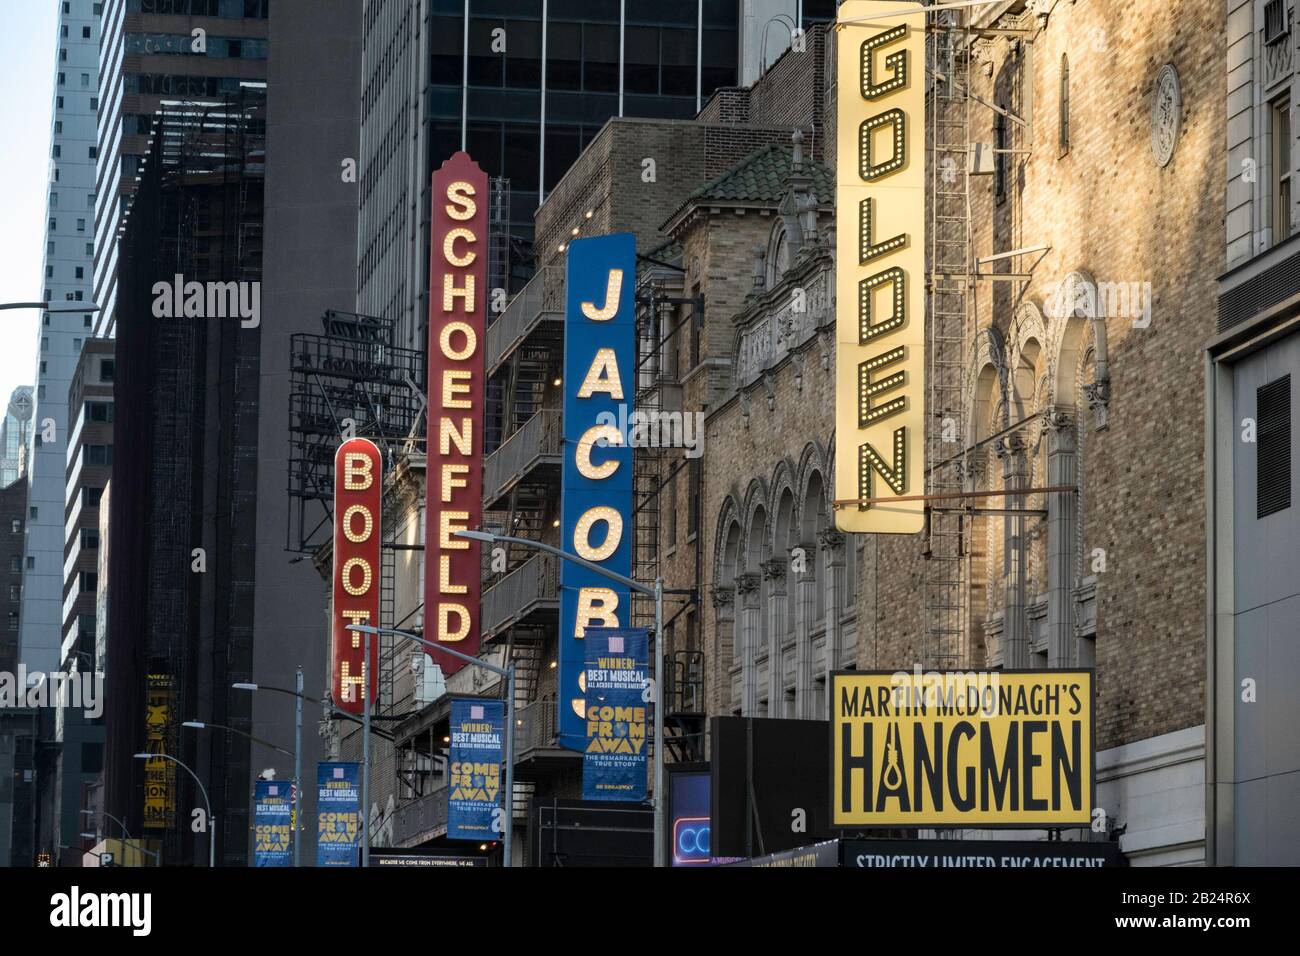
(596, 483)
(454, 488)
(880, 266)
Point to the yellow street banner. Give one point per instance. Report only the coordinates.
(962, 748)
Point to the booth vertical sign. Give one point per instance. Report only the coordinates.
(880, 271)
(596, 483)
(454, 487)
(358, 493)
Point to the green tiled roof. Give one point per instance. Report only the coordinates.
(761, 177)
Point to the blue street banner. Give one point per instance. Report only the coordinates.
(614, 762)
(338, 806)
(478, 733)
(272, 823)
(596, 480)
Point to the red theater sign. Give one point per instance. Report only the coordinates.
(458, 280)
(358, 490)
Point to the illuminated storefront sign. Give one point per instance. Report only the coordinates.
(880, 267)
(160, 738)
(457, 293)
(358, 507)
(596, 505)
(953, 748)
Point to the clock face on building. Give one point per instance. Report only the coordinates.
(20, 405)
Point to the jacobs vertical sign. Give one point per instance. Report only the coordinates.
(596, 480)
(962, 749)
(458, 279)
(880, 266)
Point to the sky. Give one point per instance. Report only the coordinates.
(28, 42)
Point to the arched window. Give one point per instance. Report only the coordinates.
(1064, 130)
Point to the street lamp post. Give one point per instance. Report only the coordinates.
(126, 837)
(657, 592)
(365, 755)
(212, 821)
(508, 672)
(298, 753)
(209, 725)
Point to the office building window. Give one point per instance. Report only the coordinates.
(16, 525)
(89, 582)
(31, 562)
(80, 270)
(89, 538)
(85, 80)
(90, 497)
(107, 369)
(99, 454)
(1281, 168)
(85, 33)
(15, 563)
(62, 79)
(34, 512)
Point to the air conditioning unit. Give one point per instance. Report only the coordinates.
(429, 684)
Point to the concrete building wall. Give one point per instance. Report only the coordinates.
(309, 266)
(69, 233)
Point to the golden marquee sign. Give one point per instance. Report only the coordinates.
(880, 266)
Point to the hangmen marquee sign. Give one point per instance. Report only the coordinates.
(880, 274)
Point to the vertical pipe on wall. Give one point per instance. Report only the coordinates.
(541, 147)
(464, 82)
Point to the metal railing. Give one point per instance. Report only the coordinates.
(538, 438)
(542, 299)
(536, 728)
(414, 822)
(516, 594)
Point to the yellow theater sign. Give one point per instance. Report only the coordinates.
(880, 266)
(962, 749)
